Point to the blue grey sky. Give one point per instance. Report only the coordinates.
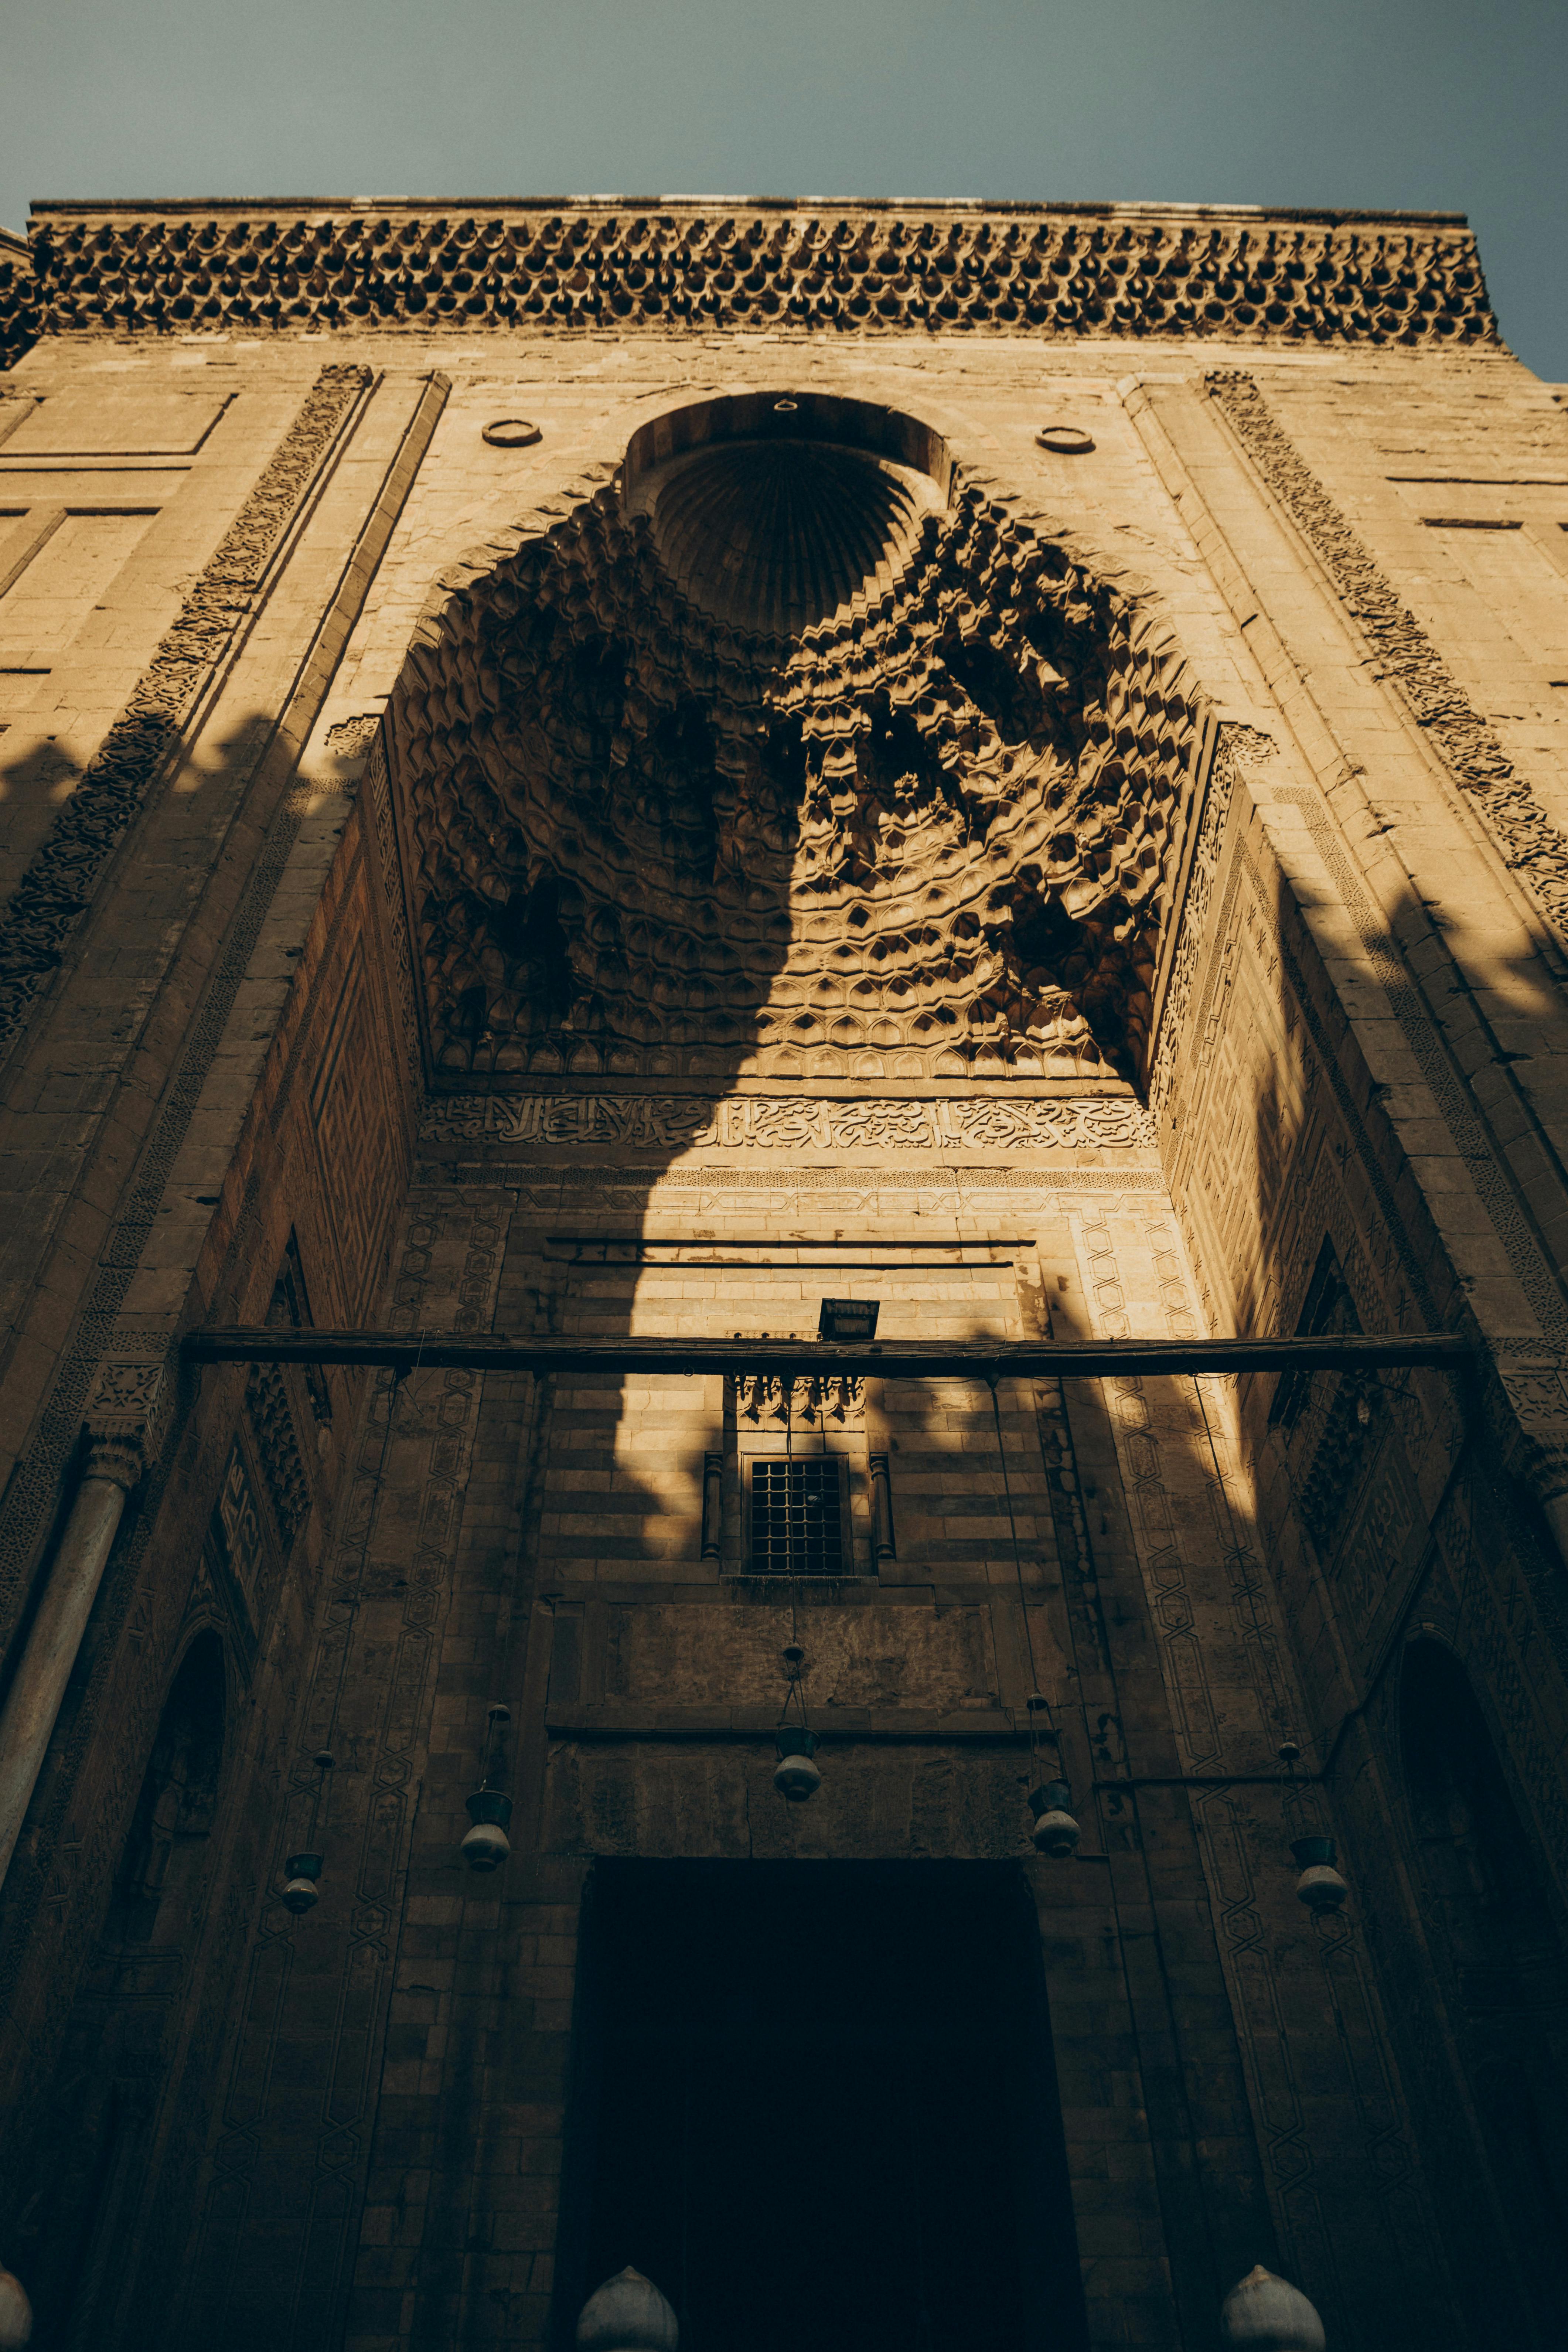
(1422, 104)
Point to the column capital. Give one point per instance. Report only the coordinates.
(131, 1394)
(118, 1459)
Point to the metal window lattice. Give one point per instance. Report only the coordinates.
(796, 1523)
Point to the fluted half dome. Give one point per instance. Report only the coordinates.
(771, 535)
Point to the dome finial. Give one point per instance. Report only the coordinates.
(1265, 2314)
(16, 2313)
(627, 2313)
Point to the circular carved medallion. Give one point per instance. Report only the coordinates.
(511, 433)
(1065, 440)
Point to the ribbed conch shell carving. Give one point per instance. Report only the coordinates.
(772, 536)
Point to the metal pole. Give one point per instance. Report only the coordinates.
(892, 1359)
(33, 1702)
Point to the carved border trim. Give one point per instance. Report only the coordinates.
(59, 886)
(1531, 845)
(788, 1123)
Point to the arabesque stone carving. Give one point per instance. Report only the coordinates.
(791, 1123)
(58, 885)
(1534, 847)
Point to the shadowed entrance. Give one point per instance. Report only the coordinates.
(815, 2103)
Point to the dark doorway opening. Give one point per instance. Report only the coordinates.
(816, 2104)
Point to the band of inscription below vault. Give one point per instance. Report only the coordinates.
(789, 1123)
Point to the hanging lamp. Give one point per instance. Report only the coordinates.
(486, 1845)
(627, 2313)
(1266, 2314)
(795, 1775)
(1056, 1831)
(302, 1871)
(1320, 1886)
(16, 2313)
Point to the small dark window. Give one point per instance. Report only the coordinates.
(797, 1517)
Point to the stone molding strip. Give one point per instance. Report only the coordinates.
(57, 888)
(1531, 845)
(787, 1123)
(669, 264)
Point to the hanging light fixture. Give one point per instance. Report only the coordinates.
(16, 2313)
(795, 1775)
(1320, 1886)
(1056, 1831)
(302, 1871)
(627, 2313)
(486, 1845)
(1265, 2314)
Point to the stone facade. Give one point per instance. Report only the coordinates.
(618, 770)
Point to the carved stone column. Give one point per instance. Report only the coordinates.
(712, 1505)
(130, 1401)
(32, 1702)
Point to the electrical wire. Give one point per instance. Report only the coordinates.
(1239, 1551)
(325, 1760)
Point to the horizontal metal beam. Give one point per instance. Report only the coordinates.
(901, 1359)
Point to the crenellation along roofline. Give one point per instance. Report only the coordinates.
(972, 207)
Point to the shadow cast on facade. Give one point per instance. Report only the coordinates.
(610, 870)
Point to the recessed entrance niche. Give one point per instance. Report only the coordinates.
(815, 2103)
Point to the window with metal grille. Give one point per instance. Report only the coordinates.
(797, 1517)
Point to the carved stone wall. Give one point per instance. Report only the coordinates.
(788, 856)
(789, 1123)
(1368, 1501)
(1534, 847)
(59, 886)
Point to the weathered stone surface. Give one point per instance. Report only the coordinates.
(768, 826)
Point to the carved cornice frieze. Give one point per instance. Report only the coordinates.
(1531, 845)
(676, 266)
(790, 1123)
(59, 883)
